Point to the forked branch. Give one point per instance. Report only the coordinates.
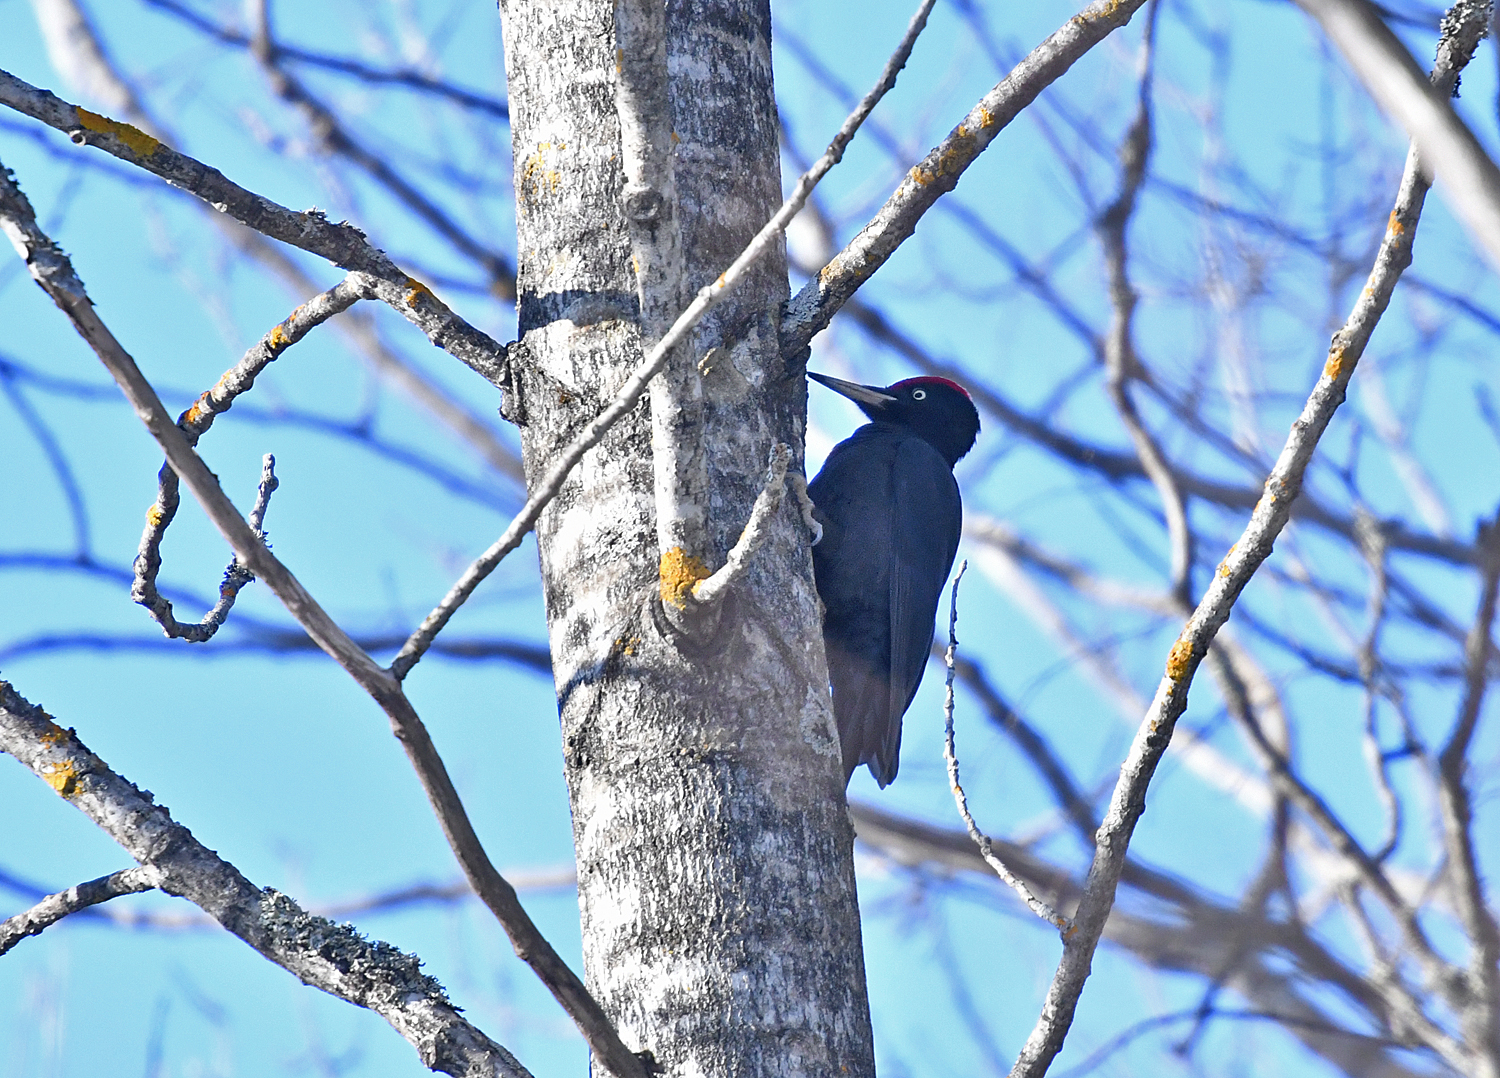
(1282, 486)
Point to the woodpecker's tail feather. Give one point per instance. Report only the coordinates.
(868, 734)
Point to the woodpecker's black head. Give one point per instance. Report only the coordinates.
(936, 410)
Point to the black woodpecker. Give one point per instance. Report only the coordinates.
(891, 517)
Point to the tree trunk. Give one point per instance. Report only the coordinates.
(716, 880)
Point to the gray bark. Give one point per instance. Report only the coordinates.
(716, 882)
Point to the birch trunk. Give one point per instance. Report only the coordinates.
(716, 881)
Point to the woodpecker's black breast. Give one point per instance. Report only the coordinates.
(891, 516)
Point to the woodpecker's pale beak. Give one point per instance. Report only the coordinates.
(865, 396)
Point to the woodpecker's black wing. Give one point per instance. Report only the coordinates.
(891, 515)
(928, 517)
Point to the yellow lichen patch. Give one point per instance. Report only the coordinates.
(53, 734)
(1335, 365)
(535, 173)
(1394, 227)
(920, 176)
(1224, 565)
(679, 571)
(626, 645)
(277, 339)
(1177, 659)
(61, 777)
(415, 291)
(986, 117)
(154, 516)
(139, 143)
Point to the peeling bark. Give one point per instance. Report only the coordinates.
(716, 881)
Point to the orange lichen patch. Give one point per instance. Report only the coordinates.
(277, 338)
(626, 645)
(1394, 227)
(53, 734)
(1178, 658)
(61, 777)
(1335, 365)
(619, 61)
(139, 143)
(1224, 565)
(986, 117)
(675, 138)
(679, 572)
(194, 415)
(154, 516)
(415, 291)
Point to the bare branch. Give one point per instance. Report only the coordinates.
(318, 952)
(1253, 547)
(52, 270)
(1470, 179)
(678, 453)
(335, 138)
(1480, 1016)
(812, 308)
(404, 77)
(950, 756)
(1193, 934)
(195, 423)
(342, 244)
(757, 530)
(54, 908)
(1121, 361)
(77, 50)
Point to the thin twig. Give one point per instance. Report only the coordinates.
(54, 908)
(70, 34)
(814, 307)
(950, 755)
(414, 80)
(1187, 931)
(756, 531)
(1470, 179)
(1480, 1017)
(1372, 545)
(335, 139)
(194, 423)
(1121, 362)
(341, 243)
(1253, 547)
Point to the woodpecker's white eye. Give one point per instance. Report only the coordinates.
(919, 394)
